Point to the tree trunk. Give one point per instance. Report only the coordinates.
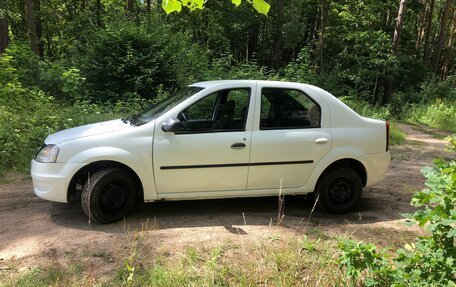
(389, 84)
(4, 36)
(442, 35)
(40, 44)
(323, 13)
(450, 51)
(254, 32)
(420, 30)
(148, 6)
(388, 14)
(99, 13)
(31, 25)
(427, 43)
(278, 41)
(399, 25)
(129, 6)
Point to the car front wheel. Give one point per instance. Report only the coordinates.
(339, 190)
(108, 195)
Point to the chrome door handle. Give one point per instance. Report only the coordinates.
(321, 140)
(238, 145)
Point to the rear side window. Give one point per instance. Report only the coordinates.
(288, 109)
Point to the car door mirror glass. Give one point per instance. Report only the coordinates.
(172, 125)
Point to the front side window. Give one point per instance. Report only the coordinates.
(224, 110)
(288, 109)
(163, 105)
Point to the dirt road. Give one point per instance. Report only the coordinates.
(34, 231)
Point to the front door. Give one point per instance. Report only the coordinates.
(211, 153)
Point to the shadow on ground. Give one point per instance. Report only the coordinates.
(227, 212)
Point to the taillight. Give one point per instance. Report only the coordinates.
(387, 135)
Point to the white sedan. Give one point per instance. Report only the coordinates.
(218, 139)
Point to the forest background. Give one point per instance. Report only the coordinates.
(72, 62)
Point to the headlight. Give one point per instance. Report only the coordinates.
(48, 153)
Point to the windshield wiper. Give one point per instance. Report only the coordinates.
(129, 119)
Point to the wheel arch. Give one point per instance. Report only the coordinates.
(351, 163)
(80, 177)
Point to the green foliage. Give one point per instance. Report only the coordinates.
(440, 114)
(139, 60)
(225, 68)
(301, 69)
(431, 259)
(434, 105)
(367, 110)
(359, 48)
(396, 135)
(361, 260)
(434, 89)
(28, 114)
(170, 6)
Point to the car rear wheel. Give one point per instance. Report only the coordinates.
(339, 190)
(108, 195)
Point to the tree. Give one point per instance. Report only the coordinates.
(399, 25)
(129, 6)
(324, 7)
(396, 40)
(278, 38)
(427, 42)
(442, 35)
(4, 29)
(31, 25)
(450, 50)
(99, 13)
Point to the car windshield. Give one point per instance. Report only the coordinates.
(162, 106)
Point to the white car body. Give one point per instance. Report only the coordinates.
(203, 165)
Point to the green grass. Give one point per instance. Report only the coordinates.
(439, 115)
(396, 136)
(285, 261)
(51, 275)
(282, 262)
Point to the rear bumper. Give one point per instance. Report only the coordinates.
(51, 180)
(376, 165)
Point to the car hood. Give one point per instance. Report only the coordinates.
(87, 131)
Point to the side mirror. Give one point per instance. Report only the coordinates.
(172, 125)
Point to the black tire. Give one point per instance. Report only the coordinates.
(108, 195)
(339, 190)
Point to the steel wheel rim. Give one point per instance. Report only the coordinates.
(340, 191)
(113, 197)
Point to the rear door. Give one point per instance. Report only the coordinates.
(288, 137)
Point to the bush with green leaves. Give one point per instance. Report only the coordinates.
(440, 114)
(431, 259)
(127, 59)
(29, 111)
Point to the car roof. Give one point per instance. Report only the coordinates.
(208, 84)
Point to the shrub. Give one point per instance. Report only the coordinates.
(441, 114)
(128, 59)
(430, 260)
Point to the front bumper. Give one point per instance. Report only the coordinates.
(51, 180)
